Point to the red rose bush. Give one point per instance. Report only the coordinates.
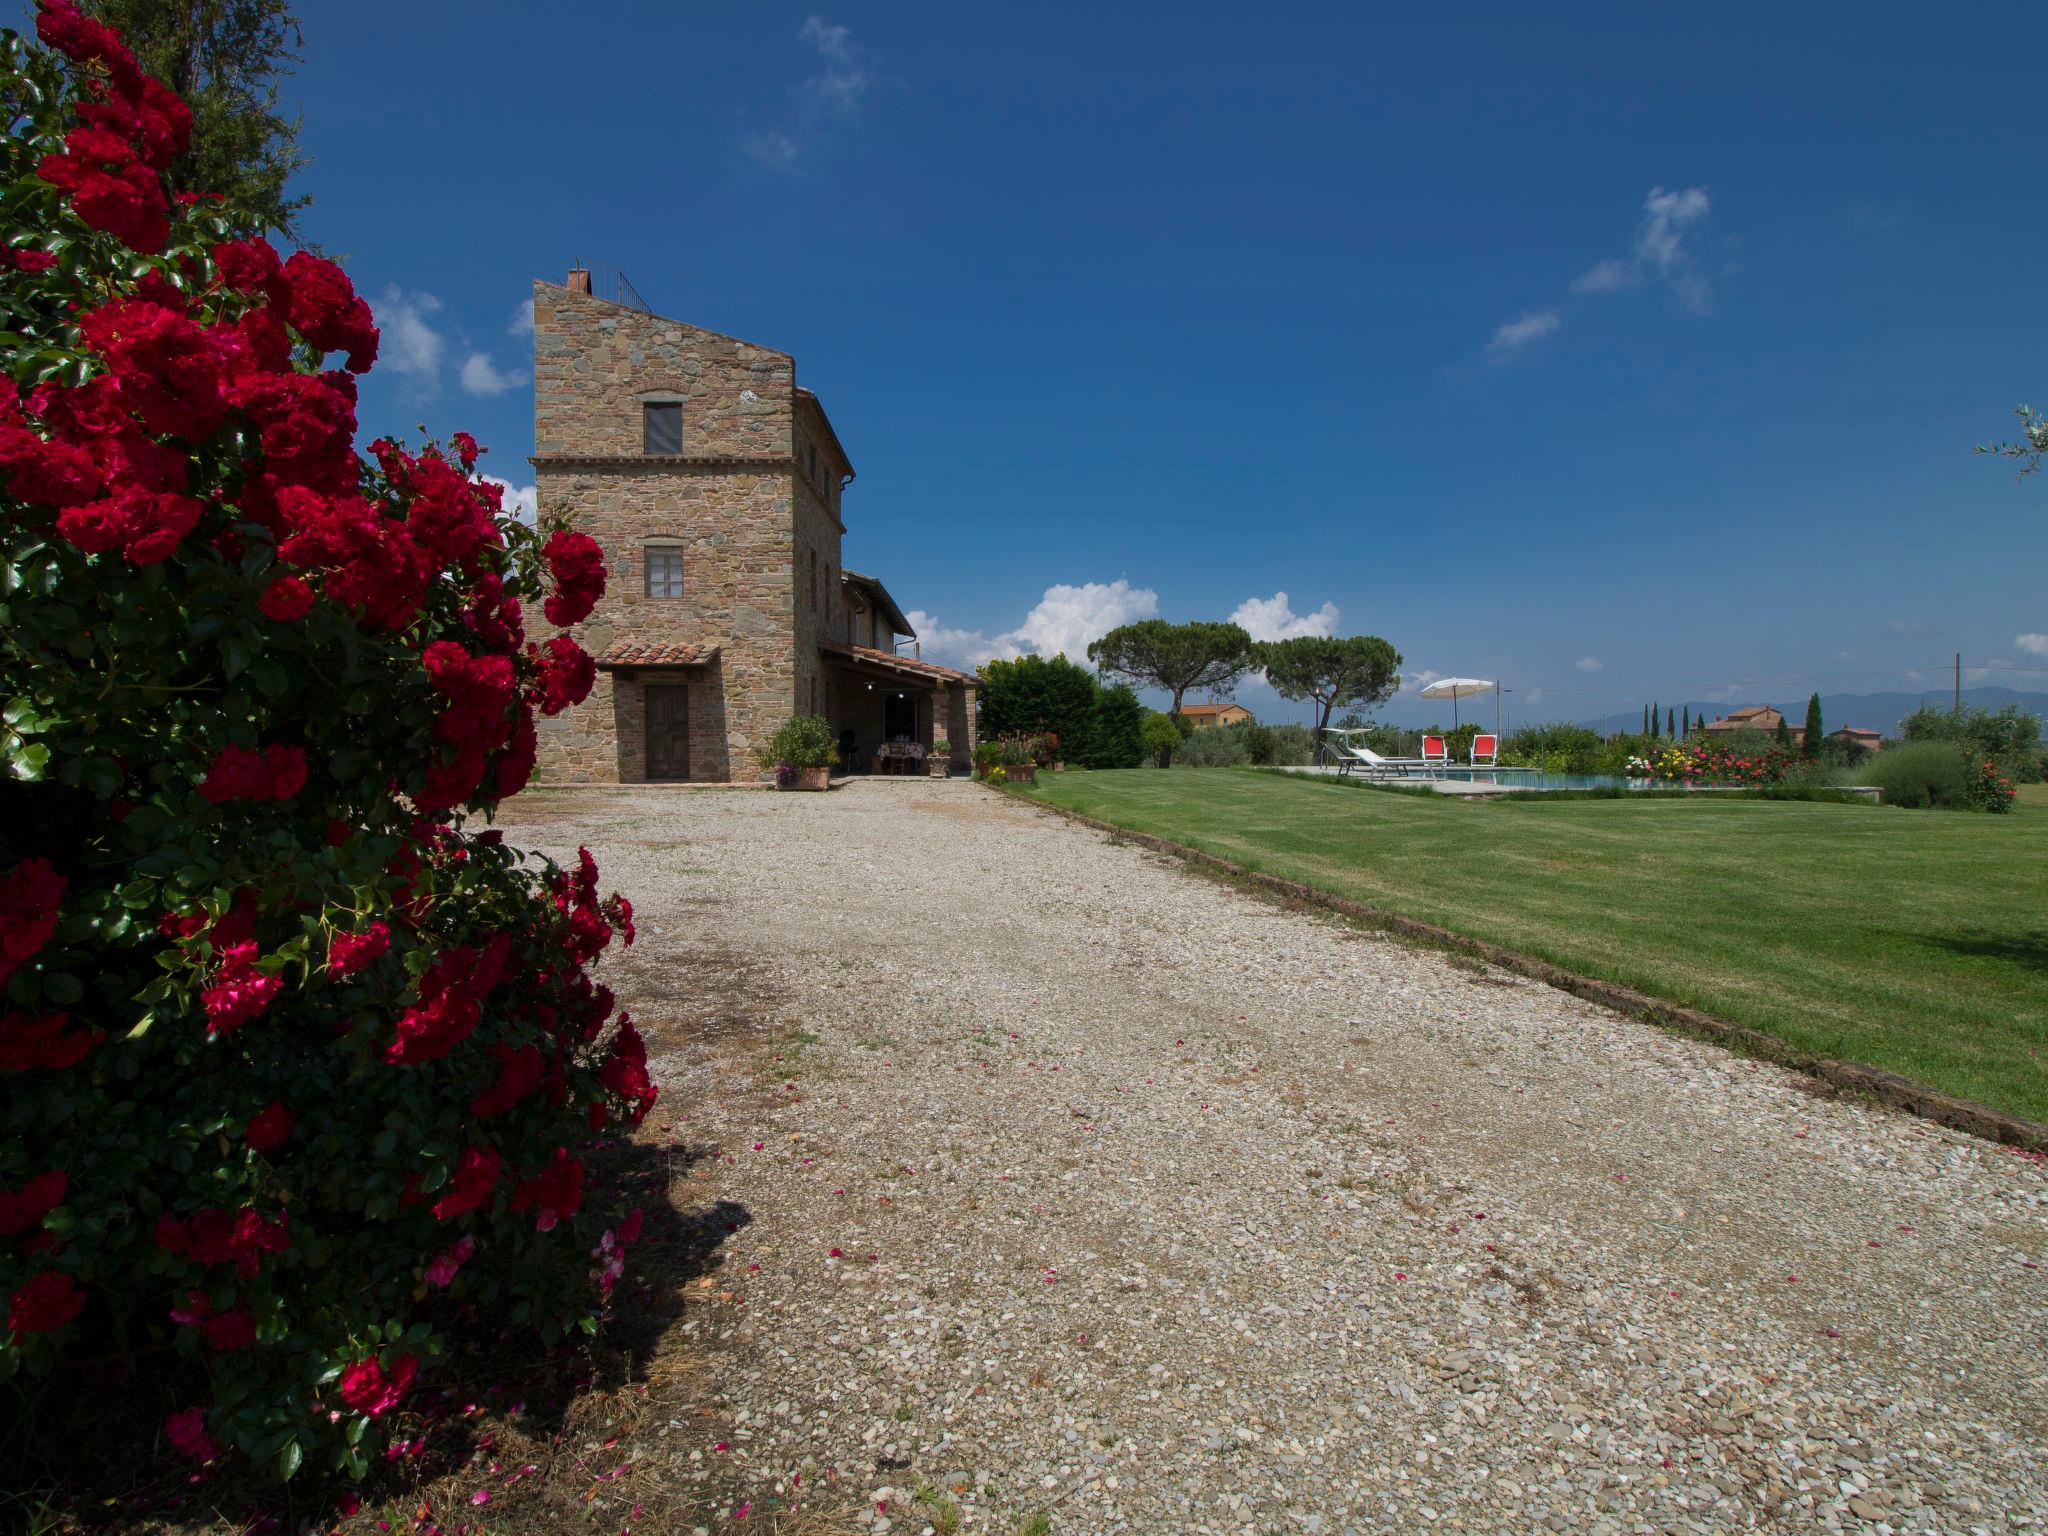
(296, 1064)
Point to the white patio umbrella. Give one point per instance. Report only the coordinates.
(1456, 688)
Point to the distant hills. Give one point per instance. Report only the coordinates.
(1870, 711)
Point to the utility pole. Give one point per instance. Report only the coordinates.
(1957, 710)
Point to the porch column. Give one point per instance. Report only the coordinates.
(940, 730)
(964, 751)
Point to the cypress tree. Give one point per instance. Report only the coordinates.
(1685, 720)
(1646, 719)
(1811, 746)
(1670, 725)
(1784, 733)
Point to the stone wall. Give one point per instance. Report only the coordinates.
(752, 502)
(733, 526)
(595, 363)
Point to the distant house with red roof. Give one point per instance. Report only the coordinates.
(1205, 717)
(1756, 717)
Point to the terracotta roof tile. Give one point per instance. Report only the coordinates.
(644, 653)
(908, 663)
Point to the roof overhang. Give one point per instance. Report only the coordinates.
(868, 661)
(809, 398)
(882, 600)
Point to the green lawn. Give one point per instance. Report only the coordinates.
(1913, 940)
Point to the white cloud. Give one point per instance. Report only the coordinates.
(1063, 622)
(1589, 664)
(1067, 618)
(522, 318)
(1660, 251)
(1989, 670)
(522, 501)
(1270, 618)
(1845, 655)
(1516, 334)
(965, 648)
(838, 90)
(481, 376)
(1609, 276)
(846, 77)
(1416, 681)
(2033, 645)
(411, 345)
(774, 149)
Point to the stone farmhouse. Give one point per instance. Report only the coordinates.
(714, 482)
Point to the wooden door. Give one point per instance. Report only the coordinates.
(668, 731)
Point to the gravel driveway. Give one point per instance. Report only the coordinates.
(1081, 1183)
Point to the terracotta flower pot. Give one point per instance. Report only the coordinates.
(814, 778)
(1022, 773)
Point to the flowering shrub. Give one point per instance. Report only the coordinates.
(1711, 763)
(294, 1062)
(1985, 786)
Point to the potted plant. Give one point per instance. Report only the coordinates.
(801, 754)
(1020, 762)
(939, 761)
(988, 757)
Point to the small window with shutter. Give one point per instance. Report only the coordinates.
(664, 572)
(661, 427)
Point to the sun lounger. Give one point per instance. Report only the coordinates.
(1433, 753)
(1372, 765)
(1484, 750)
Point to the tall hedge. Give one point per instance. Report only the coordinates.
(1116, 736)
(295, 1058)
(1027, 695)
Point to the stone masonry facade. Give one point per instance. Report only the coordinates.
(750, 505)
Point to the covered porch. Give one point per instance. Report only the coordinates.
(889, 711)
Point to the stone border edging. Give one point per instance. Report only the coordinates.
(1858, 1077)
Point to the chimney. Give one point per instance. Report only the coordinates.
(579, 280)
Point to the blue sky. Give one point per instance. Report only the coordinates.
(1633, 354)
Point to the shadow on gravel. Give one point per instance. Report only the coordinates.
(542, 1430)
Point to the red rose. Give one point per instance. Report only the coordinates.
(30, 894)
(476, 1175)
(24, 1208)
(169, 370)
(370, 1390)
(555, 1193)
(519, 1073)
(278, 772)
(348, 953)
(287, 598)
(567, 673)
(235, 1329)
(248, 266)
(577, 563)
(240, 992)
(26, 1043)
(44, 1304)
(269, 1128)
(625, 1071)
(51, 474)
(187, 1433)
